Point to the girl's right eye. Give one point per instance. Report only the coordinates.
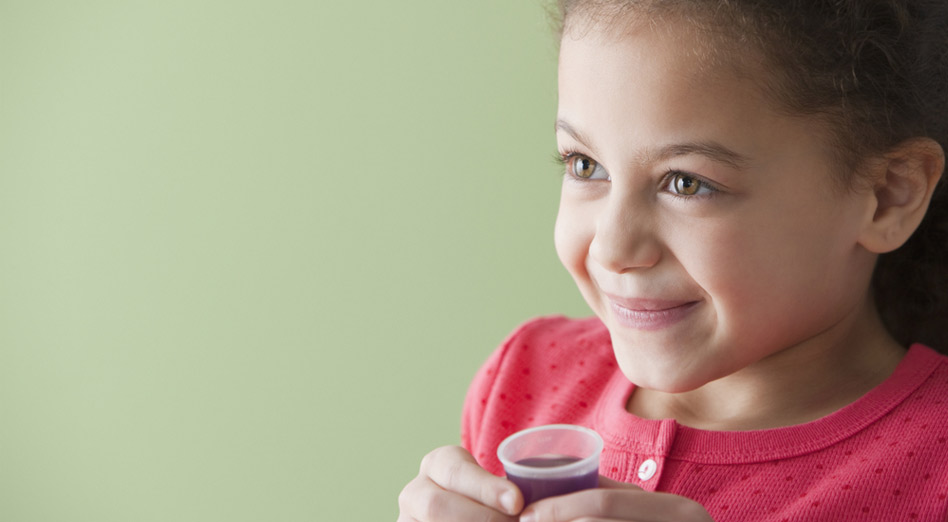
(584, 167)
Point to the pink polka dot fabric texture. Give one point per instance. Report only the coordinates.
(882, 458)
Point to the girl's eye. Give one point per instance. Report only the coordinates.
(584, 167)
(687, 185)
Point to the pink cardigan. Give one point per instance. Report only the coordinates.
(882, 458)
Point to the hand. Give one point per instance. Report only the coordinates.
(613, 502)
(452, 487)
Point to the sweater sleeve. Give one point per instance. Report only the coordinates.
(490, 411)
(543, 373)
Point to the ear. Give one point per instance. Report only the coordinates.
(904, 180)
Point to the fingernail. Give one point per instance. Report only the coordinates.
(508, 501)
(527, 517)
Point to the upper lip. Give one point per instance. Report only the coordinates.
(647, 304)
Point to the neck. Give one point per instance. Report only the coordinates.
(794, 386)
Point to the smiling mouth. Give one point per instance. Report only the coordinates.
(650, 314)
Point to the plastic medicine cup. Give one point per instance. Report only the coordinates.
(551, 460)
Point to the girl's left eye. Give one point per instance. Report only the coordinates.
(684, 184)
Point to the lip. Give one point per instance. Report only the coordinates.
(649, 314)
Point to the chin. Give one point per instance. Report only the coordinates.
(668, 376)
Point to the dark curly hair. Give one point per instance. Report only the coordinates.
(877, 70)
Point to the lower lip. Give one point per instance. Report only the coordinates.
(651, 320)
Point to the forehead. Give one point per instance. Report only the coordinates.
(669, 38)
(711, 34)
(660, 74)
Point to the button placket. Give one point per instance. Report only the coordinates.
(648, 471)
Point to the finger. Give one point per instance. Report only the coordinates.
(454, 469)
(598, 519)
(606, 482)
(424, 501)
(616, 503)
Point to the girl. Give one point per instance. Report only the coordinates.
(751, 208)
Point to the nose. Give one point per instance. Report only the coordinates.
(626, 237)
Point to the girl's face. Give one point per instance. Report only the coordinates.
(700, 224)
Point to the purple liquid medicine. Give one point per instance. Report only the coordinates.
(536, 488)
(551, 460)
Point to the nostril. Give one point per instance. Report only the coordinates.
(619, 250)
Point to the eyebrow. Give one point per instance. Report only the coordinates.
(709, 149)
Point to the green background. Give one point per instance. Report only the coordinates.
(251, 253)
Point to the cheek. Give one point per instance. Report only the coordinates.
(573, 234)
(572, 238)
(772, 276)
(733, 264)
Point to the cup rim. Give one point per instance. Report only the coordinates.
(568, 469)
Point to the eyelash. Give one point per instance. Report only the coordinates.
(563, 158)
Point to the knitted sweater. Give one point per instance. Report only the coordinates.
(881, 458)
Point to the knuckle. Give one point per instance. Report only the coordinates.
(438, 455)
(447, 468)
(428, 459)
(404, 497)
(422, 499)
(408, 495)
(435, 504)
(452, 471)
(454, 453)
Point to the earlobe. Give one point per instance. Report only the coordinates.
(904, 182)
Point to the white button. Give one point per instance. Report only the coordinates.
(647, 469)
